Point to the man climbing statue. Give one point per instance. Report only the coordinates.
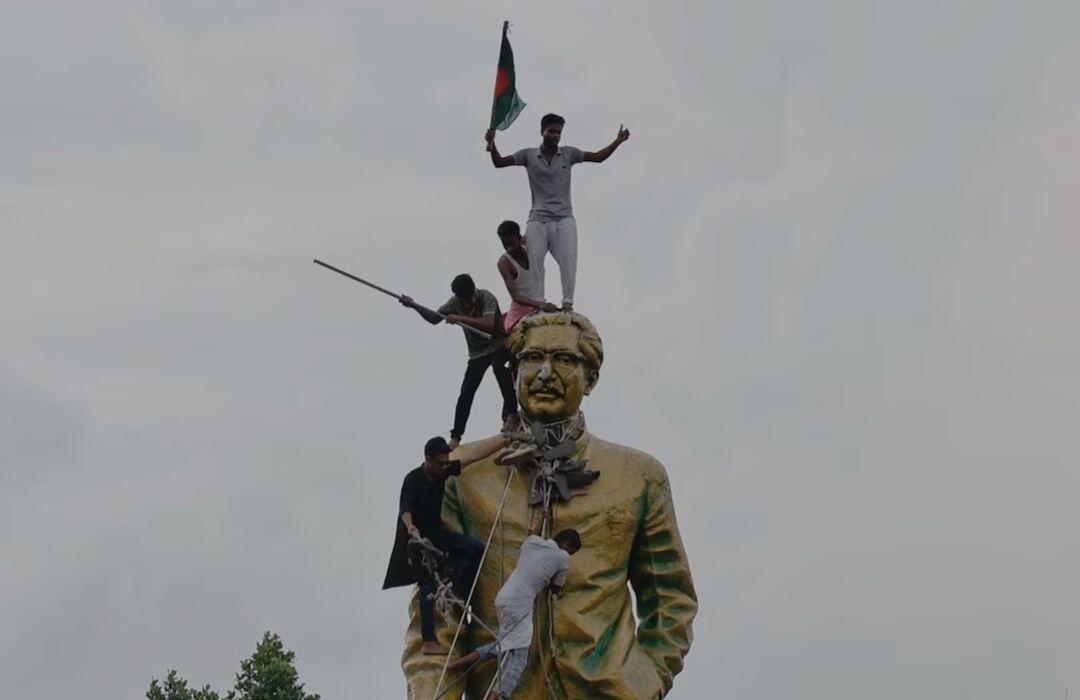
(419, 516)
(543, 564)
(551, 226)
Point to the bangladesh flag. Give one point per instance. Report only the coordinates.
(508, 104)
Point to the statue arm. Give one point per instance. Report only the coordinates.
(660, 576)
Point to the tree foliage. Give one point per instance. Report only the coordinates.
(176, 688)
(268, 675)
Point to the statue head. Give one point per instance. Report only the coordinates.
(558, 363)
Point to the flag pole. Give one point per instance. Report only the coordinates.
(494, 100)
(506, 26)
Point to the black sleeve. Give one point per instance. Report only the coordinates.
(408, 496)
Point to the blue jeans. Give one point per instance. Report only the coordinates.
(465, 553)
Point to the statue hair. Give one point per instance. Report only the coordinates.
(589, 343)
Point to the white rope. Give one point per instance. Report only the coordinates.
(494, 680)
(502, 580)
(497, 643)
(545, 531)
(472, 589)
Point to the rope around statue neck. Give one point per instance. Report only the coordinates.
(551, 434)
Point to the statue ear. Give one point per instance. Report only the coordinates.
(592, 376)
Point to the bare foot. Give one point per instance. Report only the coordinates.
(434, 649)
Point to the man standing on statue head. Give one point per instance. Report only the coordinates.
(552, 227)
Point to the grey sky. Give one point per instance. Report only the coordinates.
(834, 270)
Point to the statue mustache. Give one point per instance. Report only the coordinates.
(546, 386)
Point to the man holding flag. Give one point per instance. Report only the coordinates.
(551, 227)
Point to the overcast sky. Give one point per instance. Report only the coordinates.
(834, 269)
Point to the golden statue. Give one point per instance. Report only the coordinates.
(586, 643)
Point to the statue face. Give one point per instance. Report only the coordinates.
(552, 373)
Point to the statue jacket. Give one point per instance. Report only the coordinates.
(586, 643)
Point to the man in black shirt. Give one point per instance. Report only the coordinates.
(420, 515)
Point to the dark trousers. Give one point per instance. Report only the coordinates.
(465, 553)
(474, 372)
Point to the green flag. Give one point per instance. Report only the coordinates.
(507, 104)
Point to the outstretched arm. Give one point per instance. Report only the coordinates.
(499, 161)
(489, 323)
(660, 577)
(425, 313)
(476, 451)
(489, 320)
(507, 272)
(602, 155)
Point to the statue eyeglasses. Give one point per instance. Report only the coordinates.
(559, 359)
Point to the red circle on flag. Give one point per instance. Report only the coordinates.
(502, 80)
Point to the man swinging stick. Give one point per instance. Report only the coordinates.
(477, 309)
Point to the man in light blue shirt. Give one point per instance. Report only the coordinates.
(551, 226)
(542, 564)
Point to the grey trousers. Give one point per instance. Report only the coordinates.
(558, 237)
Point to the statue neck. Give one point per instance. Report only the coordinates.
(551, 434)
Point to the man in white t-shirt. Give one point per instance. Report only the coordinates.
(542, 564)
(551, 226)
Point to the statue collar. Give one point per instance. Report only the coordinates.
(556, 455)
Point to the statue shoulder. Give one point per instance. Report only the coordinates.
(478, 451)
(631, 461)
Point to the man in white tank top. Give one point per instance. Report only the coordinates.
(524, 277)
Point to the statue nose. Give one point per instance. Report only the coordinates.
(545, 370)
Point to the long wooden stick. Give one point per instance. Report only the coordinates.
(467, 327)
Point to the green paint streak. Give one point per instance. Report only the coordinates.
(592, 661)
